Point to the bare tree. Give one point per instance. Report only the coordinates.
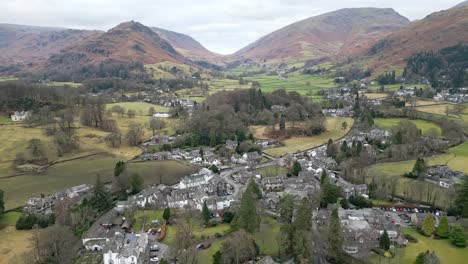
(134, 134)
(156, 124)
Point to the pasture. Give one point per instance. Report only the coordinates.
(13, 243)
(393, 87)
(425, 126)
(376, 95)
(438, 109)
(71, 173)
(306, 85)
(446, 252)
(295, 144)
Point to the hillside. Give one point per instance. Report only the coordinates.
(342, 32)
(434, 32)
(25, 44)
(127, 42)
(185, 45)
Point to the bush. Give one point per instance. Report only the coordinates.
(411, 238)
(28, 221)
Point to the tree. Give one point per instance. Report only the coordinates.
(156, 124)
(296, 169)
(54, 244)
(131, 113)
(101, 199)
(384, 241)
(36, 147)
(166, 214)
(427, 258)
(246, 217)
(443, 228)
(151, 111)
(428, 227)
(120, 167)
(462, 199)
(344, 125)
(335, 240)
(217, 257)
(134, 134)
(238, 248)
(205, 213)
(136, 183)
(2, 203)
(286, 209)
(329, 193)
(457, 236)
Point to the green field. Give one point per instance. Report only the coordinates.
(272, 171)
(141, 108)
(394, 87)
(295, 144)
(5, 120)
(447, 253)
(13, 243)
(424, 126)
(456, 159)
(60, 176)
(306, 85)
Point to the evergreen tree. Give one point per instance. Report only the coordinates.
(136, 184)
(419, 166)
(420, 258)
(296, 169)
(384, 241)
(205, 213)
(166, 214)
(462, 199)
(120, 167)
(344, 203)
(254, 188)
(101, 199)
(323, 177)
(457, 236)
(329, 193)
(217, 257)
(2, 203)
(286, 209)
(246, 217)
(443, 228)
(428, 227)
(335, 240)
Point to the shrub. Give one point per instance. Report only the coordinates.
(411, 238)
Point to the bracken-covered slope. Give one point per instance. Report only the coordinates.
(340, 33)
(434, 32)
(127, 42)
(186, 45)
(27, 44)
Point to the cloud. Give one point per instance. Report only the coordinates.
(222, 26)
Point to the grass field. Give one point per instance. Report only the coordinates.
(272, 171)
(447, 253)
(63, 175)
(295, 144)
(394, 87)
(438, 109)
(141, 108)
(376, 95)
(267, 237)
(72, 84)
(306, 85)
(424, 126)
(5, 120)
(456, 159)
(13, 243)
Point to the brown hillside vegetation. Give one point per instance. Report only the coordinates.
(342, 32)
(434, 32)
(129, 41)
(24, 44)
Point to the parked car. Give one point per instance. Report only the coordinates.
(154, 248)
(155, 259)
(203, 245)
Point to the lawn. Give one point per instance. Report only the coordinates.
(141, 108)
(13, 243)
(64, 175)
(438, 109)
(267, 237)
(206, 255)
(394, 87)
(447, 253)
(376, 95)
(424, 126)
(5, 120)
(146, 217)
(456, 159)
(272, 171)
(306, 85)
(295, 144)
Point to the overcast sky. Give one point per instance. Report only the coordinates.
(223, 26)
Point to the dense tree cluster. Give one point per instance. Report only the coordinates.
(224, 114)
(445, 68)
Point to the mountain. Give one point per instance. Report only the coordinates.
(26, 44)
(464, 3)
(127, 42)
(434, 32)
(185, 45)
(340, 33)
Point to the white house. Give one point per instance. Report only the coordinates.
(126, 249)
(196, 180)
(162, 115)
(19, 116)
